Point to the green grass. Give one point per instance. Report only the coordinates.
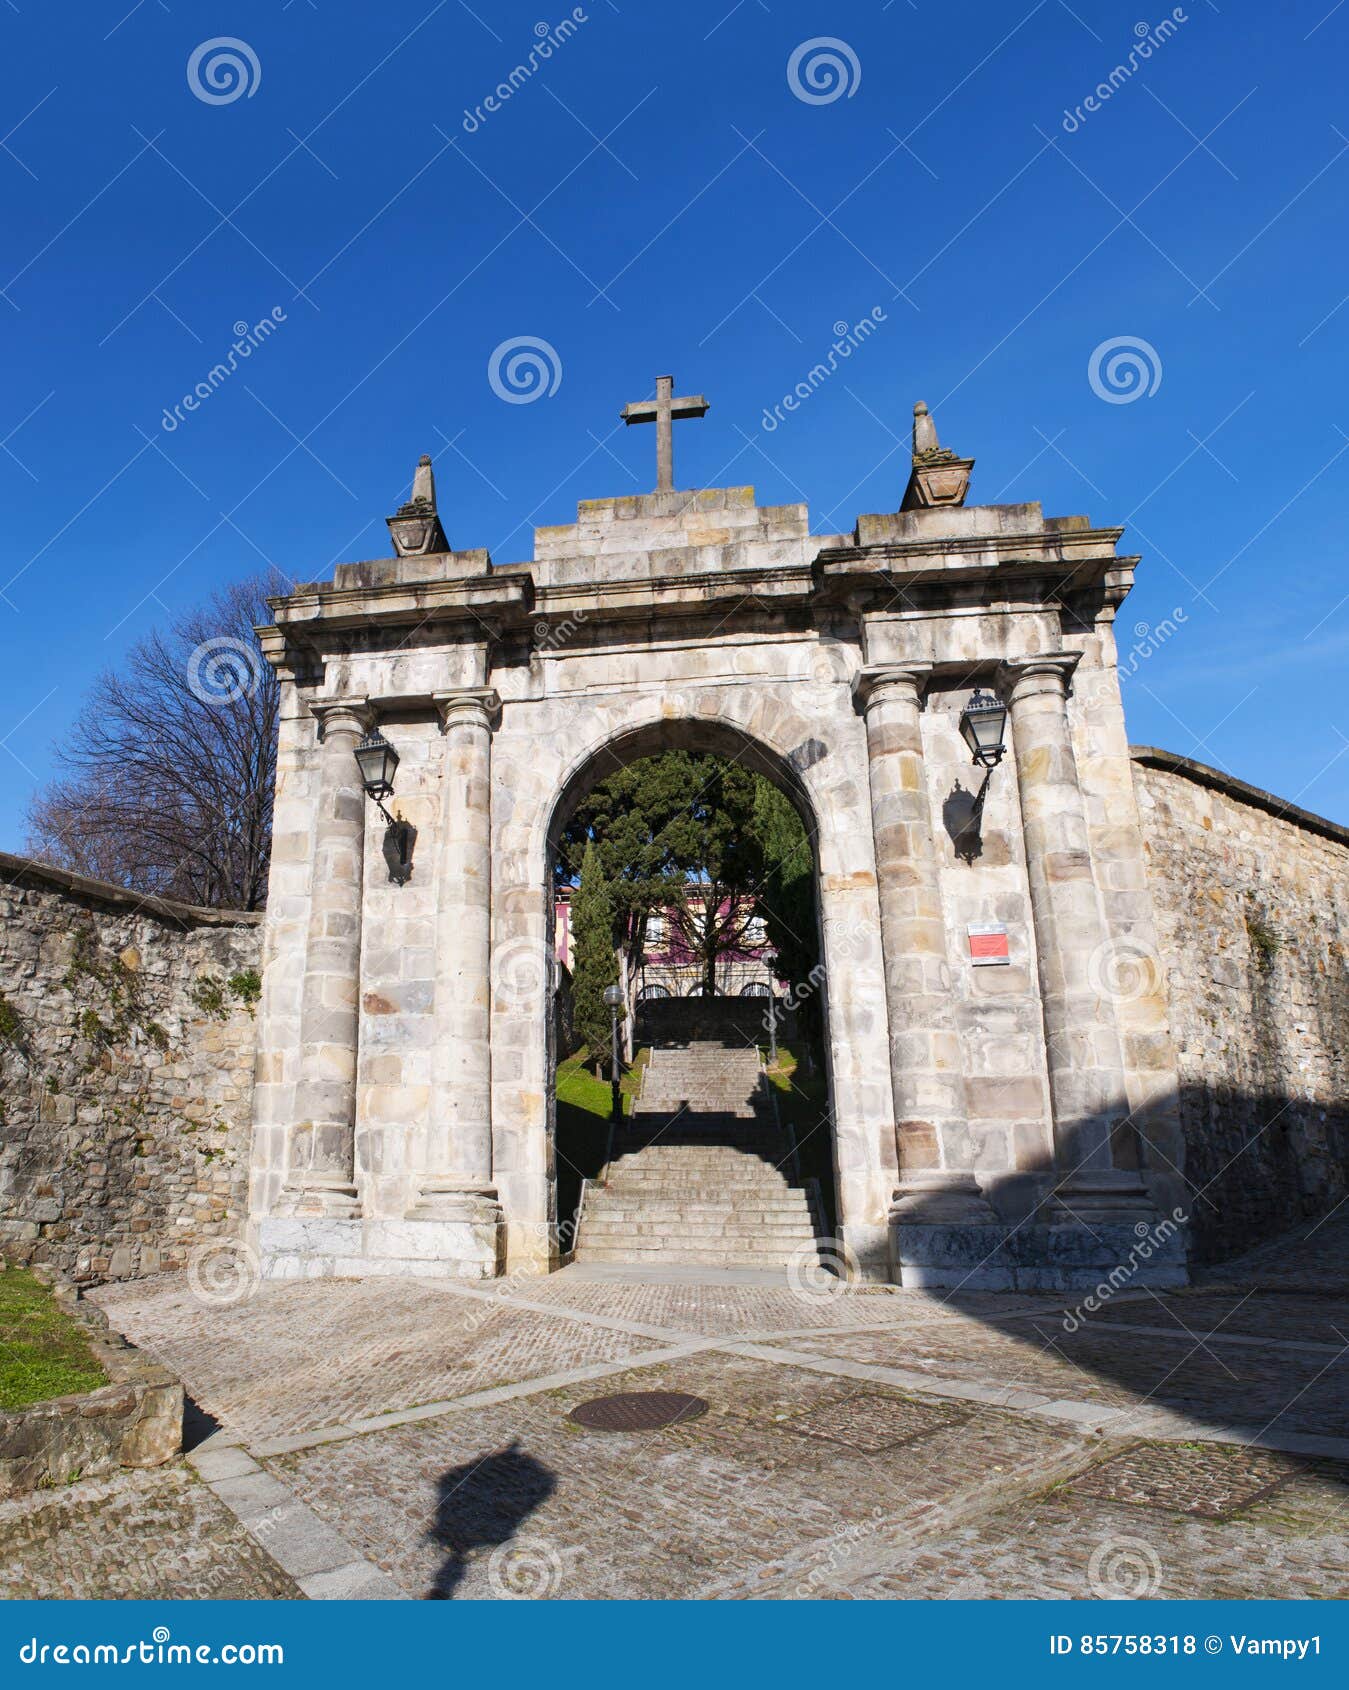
(43, 1352)
(806, 1096)
(583, 1105)
(579, 1089)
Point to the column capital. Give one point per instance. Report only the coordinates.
(354, 714)
(875, 681)
(1026, 677)
(476, 705)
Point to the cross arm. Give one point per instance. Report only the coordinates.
(647, 410)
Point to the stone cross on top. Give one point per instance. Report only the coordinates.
(662, 410)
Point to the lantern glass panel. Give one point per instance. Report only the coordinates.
(982, 725)
(377, 761)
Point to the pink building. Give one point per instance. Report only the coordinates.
(669, 967)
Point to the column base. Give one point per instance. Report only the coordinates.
(1110, 1197)
(1101, 1261)
(319, 1198)
(935, 1195)
(459, 1217)
(944, 1233)
(292, 1247)
(456, 1200)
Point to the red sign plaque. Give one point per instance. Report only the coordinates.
(988, 945)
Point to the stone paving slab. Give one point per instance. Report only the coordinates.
(1286, 1389)
(1313, 1257)
(1279, 1318)
(319, 1352)
(412, 1439)
(1055, 1546)
(1212, 1480)
(159, 1534)
(445, 1507)
(737, 1310)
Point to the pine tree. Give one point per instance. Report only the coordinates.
(594, 965)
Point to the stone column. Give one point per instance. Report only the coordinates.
(322, 1179)
(1097, 1172)
(926, 1062)
(457, 1184)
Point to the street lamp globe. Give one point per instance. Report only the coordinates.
(377, 761)
(982, 724)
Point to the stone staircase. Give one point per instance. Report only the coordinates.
(701, 1173)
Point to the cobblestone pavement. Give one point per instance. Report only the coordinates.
(1314, 1257)
(144, 1535)
(324, 1352)
(869, 1443)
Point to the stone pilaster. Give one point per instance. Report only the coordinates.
(322, 1178)
(1094, 1141)
(456, 1184)
(926, 1063)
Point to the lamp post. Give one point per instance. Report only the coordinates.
(378, 762)
(613, 996)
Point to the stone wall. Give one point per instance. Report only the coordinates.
(1252, 902)
(126, 1074)
(726, 1021)
(135, 1420)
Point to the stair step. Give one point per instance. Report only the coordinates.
(779, 1238)
(701, 1175)
(683, 1258)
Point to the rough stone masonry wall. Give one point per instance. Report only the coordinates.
(1252, 900)
(126, 1074)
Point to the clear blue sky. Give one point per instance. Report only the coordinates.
(656, 197)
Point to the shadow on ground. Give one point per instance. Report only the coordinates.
(482, 1505)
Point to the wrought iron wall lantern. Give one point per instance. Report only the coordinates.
(378, 762)
(983, 723)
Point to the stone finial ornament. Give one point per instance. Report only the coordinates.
(416, 528)
(925, 443)
(938, 477)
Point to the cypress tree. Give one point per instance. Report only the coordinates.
(594, 965)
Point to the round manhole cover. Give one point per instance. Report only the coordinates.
(637, 1411)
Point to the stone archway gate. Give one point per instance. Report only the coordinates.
(1003, 1123)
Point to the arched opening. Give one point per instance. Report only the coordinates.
(693, 851)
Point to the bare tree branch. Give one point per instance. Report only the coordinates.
(166, 778)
